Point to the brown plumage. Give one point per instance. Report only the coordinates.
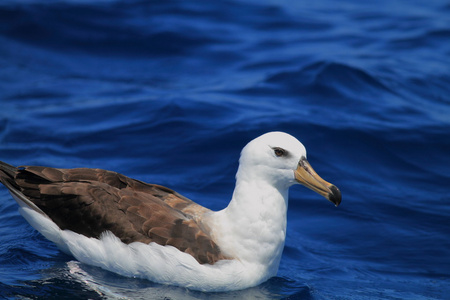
(92, 201)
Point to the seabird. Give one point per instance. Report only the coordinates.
(136, 229)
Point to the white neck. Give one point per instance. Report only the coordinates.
(253, 226)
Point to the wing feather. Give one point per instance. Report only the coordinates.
(92, 201)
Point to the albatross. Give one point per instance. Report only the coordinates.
(136, 229)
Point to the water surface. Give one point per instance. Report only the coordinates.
(170, 91)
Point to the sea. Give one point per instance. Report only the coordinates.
(169, 92)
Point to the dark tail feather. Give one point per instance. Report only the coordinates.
(8, 169)
(7, 178)
(7, 174)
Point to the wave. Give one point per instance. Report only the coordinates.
(329, 78)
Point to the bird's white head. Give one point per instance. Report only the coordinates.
(279, 159)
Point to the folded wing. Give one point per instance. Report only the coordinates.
(92, 201)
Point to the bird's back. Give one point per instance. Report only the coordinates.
(92, 201)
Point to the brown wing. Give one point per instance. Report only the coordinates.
(92, 201)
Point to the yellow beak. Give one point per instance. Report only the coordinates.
(306, 175)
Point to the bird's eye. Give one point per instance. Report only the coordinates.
(279, 152)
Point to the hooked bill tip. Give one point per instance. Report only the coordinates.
(335, 195)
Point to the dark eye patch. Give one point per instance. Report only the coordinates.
(279, 152)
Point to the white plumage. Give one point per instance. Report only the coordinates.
(251, 230)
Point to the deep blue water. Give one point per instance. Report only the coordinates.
(170, 91)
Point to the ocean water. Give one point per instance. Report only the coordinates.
(169, 92)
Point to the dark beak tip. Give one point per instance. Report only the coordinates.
(335, 195)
